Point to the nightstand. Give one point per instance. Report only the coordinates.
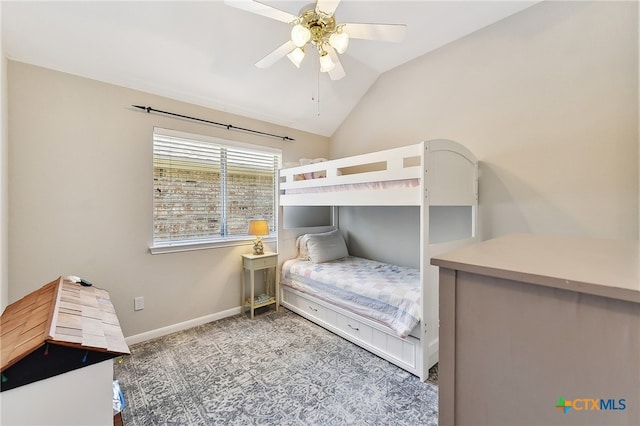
(256, 262)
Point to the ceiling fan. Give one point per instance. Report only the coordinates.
(316, 26)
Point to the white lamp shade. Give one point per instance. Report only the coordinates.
(300, 35)
(296, 56)
(258, 227)
(326, 64)
(339, 41)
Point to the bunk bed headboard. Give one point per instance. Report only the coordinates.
(452, 174)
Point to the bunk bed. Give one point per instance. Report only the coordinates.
(440, 178)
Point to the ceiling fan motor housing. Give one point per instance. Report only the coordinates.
(321, 25)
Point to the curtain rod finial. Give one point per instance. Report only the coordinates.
(148, 109)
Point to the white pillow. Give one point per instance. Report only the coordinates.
(301, 245)
(326, 246)
(306, 162)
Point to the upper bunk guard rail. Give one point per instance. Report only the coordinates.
(394, 164)
(395, 168)
(413, 172)
(447, 169)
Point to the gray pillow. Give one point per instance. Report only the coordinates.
(326, 246)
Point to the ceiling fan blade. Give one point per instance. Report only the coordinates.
(276, 55)
(381, 32)
(337, 72)
(262, 9)
(327, 6)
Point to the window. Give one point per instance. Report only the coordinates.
(205, 190)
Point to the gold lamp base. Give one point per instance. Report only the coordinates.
(258, 248)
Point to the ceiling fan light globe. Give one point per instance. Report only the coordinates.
(339, 41)
(296, 56)
(326, 64)
(300, 35)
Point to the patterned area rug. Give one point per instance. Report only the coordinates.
(277, 369)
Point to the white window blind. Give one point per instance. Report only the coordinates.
(207, 190)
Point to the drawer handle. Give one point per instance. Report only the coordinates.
(353, 328)
(313, 309)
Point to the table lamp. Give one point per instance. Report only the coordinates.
(258, 228)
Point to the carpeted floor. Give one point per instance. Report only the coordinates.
(277, 369)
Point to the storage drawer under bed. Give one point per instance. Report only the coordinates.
(404, 352)
(354, 328)
(308, 307)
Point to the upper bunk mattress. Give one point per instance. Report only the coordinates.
(369, 186)
(385, 293)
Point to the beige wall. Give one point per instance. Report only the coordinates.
(80, 165)
(547, 100)
(4, 197)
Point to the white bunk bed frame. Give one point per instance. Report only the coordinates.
(448, 176)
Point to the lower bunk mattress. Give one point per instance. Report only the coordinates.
(384, 293)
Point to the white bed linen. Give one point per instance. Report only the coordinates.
(385, 293)
(390, 184)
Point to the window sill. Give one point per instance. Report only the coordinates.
(178, 247)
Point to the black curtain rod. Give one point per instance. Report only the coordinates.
(227, 126)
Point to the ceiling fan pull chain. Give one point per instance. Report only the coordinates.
(318, 97)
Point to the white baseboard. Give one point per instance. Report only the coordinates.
(163, 331)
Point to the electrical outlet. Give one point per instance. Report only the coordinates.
(138, 303)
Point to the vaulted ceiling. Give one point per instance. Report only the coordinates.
(204, 52)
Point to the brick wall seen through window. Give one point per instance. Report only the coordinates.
(206, 190)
